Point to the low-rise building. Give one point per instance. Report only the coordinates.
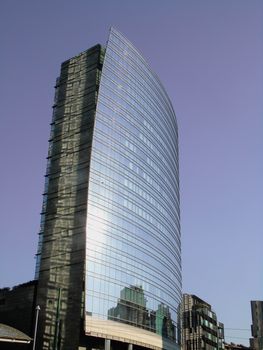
(17, 306)
(233, 346)
(200, 328)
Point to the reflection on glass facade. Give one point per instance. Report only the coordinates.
(133, 259)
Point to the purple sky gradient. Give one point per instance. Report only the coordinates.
(209, 56)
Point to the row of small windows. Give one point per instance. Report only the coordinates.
(133, 123)
(131, 145)
(133, 92)
(113, 77)
(128, 87)
(109, 192)
(144, 175)
(139, 211)
(116, 99)
(153, 165)
(137, 189)
(123, 153)
(134, 119)
(152, 147)
(138, 169)
(119, 133)
(138, 102)
(140, 78)
(208, 324)
(144, 214)
(113, 150)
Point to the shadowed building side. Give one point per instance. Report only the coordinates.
(17, 306)
(256, 343)
(63, 226)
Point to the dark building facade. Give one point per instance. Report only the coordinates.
(109, 254)
(256, 343)
(233, 346)
(200, 328)
(61, 252)
(17, 306)
(13, 339)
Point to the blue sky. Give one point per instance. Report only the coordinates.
(209, 55)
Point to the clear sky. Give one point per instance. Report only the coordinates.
(209, 56)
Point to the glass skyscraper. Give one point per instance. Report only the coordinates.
(109, 255)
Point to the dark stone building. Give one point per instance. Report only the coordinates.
(256, 343)
(200, 328)
(233, 346)
(62, 237)
(17, 306)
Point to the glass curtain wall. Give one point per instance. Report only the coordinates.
(133, 253)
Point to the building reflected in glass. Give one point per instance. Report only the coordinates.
(109, 255)
(131, 309)
(133, 266)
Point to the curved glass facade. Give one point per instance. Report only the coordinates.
(133, 253)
